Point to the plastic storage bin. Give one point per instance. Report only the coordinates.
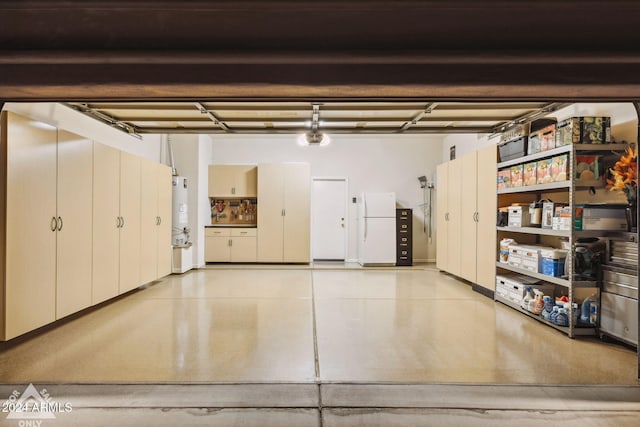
(553, 261)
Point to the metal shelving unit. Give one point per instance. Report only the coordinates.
(570, 187)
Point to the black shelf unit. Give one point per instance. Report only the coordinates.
(404, 240)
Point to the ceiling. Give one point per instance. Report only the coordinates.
(331, 117)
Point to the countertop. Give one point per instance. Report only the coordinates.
(231, 226)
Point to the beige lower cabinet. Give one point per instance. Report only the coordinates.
(230, 244)
(466, 210)
(284, 212)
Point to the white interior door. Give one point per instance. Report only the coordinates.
(329, 218)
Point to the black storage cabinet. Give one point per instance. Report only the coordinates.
(404, 241)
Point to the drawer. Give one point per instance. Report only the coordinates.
(619, 275)
(619, 317)
(217, 232)
(620, 289)
(244, 232)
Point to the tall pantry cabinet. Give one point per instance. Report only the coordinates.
(47, 225)
(155, 220)
(467, 206)
(116, 224)
(284, 212)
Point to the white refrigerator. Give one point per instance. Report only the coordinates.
(377, 229)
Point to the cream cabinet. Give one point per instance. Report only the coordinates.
(155, 224)
(129, 222)
(106, 222)
(47, 245)
(442, 257)
(230, 244)
(466, 211)
(75, 188)
(233, 180)
(284, 212)
(31, 224)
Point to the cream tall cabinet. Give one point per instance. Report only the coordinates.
(116, 225)
(232, 180)
(155, 224)
(48, 224)
(106, 222)
(466, 211)
(284, 212)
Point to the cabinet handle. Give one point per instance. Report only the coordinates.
(53, 223)
(229, 242)
(60, 223)
(159, 220)
(233, 190)
(477, 216)
(122, 223)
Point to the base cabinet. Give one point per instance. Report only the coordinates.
(230, 245)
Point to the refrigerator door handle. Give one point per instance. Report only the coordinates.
(365, 229)
(364, 201)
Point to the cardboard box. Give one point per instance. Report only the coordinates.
(600, 217)
(511, 286)
(548, 138)
(543, 171)
(584, 130)
(529, 174)
(519, 216)
(504, 178)
(587, 168)
(548, 212)
(561, 218)
(559, 168)
(517, 176)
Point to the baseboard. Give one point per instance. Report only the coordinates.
(483, 291)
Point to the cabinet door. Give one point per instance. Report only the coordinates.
(442, 225)
(487, 207)
(246, 181)
(468, 204)
(270, 212)
(130, 229)
(148, 221)
(75, 207)
(243, 249)
(297, 181)
(30, 277)
(106, 236)
(221, 180)
(164, 213)
(454, 209)
(217, 249)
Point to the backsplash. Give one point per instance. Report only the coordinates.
(234, 211)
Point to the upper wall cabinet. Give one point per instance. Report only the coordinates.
(233, 181)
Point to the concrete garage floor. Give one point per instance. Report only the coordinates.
(319, 346)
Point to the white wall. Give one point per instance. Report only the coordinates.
(63, 117)
(464, 143)
(370, 162)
